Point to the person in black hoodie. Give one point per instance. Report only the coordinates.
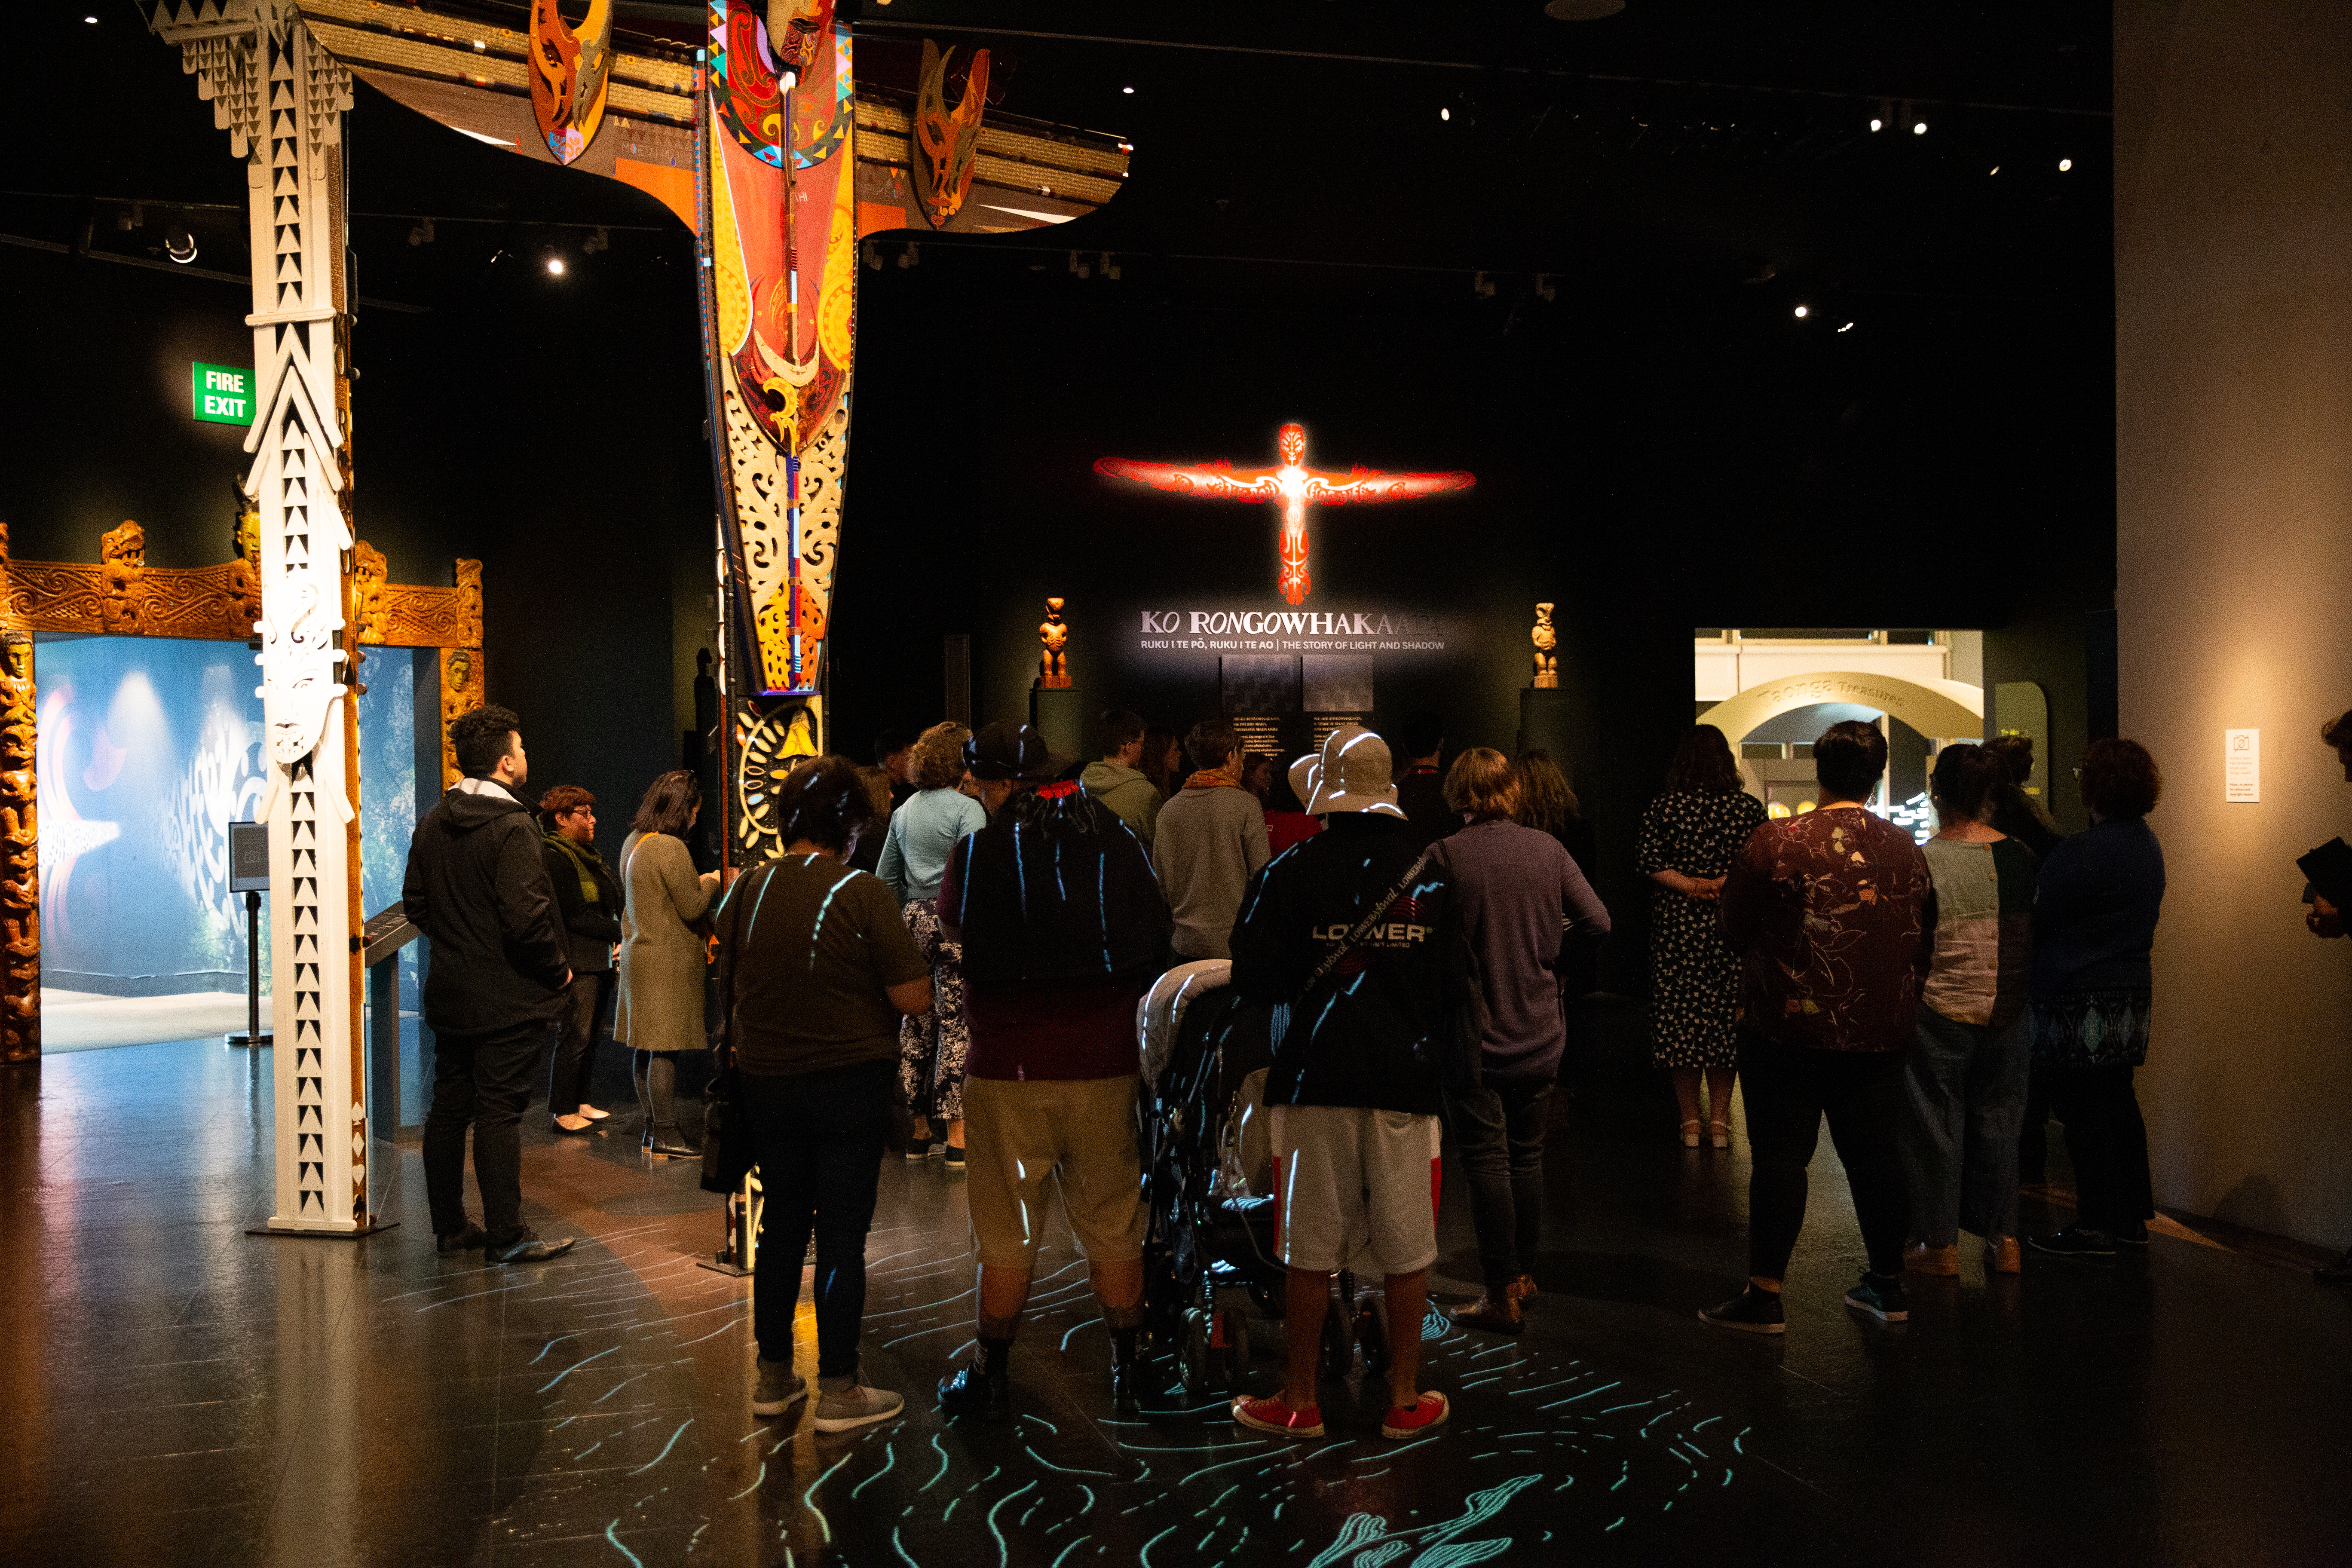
(588, 904)
(479, 891)
(1353, 939)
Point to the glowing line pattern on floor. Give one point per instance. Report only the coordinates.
(622, 1352)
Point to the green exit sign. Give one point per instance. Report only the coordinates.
(224, 393)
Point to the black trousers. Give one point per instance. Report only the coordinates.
(2107, 1142)
(568, 1073)
(819, 1137)
(1788, 1089)
(1499, 1130)
(482, 1081)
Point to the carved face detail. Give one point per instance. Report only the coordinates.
(1291, 442)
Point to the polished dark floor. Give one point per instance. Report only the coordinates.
(178, 1391)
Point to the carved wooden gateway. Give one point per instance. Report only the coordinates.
(122, 595)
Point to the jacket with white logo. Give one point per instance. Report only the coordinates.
(1376, 1031)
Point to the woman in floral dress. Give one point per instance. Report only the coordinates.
(1689, 836)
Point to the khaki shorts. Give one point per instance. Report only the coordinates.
(1355, 1188)
(1080, 1132)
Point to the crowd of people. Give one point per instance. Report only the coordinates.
(958, 947)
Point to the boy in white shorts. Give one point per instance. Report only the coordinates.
(1349, 935)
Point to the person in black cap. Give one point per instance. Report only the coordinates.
(1063, 928)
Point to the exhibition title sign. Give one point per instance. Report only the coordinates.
(1186, 630)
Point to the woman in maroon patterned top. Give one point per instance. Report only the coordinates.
(1831, 915)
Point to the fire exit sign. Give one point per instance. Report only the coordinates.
(224, 393)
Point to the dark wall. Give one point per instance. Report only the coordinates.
(1653, 462)
(557, 438)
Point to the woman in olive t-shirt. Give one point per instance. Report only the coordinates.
(820, 970)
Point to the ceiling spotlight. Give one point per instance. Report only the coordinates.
(1919, 128)
(1581, 10)
(91, 20)
(1444, 113)
(1876, 123)
(555, 265)
(179, 244)
(1126, 90)
(2064, 165)
(423, 232)
(1996, 169)
(1803, 311)
(1847, 328)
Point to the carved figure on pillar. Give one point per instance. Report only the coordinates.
(368, 609)
(20, 860)
(1053, 669)
(1546, 641)
(122, 556)
(461, 693)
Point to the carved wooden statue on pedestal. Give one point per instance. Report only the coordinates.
(1054, 667)
(1546, 641)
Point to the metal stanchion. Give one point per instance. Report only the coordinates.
(249, 867)
(740, 1254)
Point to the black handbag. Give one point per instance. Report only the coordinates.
(728, 1152)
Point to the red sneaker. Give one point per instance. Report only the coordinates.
(1275, 1416)
(1430, 1410)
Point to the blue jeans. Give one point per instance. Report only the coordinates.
(819, 1137)
(1964, 1092)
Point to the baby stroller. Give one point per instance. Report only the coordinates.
(1213, 1219)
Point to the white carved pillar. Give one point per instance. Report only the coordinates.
(281, 98)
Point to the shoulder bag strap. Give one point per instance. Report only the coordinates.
(1363, 928)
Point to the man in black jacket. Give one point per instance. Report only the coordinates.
(479, 891)
(1351, 937)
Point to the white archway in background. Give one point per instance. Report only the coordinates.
(1941, 710)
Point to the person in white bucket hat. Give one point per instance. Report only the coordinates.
(1351, 937)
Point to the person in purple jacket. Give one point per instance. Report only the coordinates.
(1521, 900)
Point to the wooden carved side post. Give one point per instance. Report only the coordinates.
(462, 686)
(20, 855)
(1547, 641)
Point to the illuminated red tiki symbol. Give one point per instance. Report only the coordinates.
(1293, 487)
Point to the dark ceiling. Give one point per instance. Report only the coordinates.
(1303, 151)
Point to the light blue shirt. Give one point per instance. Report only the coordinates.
(923, 832)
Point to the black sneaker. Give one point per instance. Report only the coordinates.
(954, 1158)
(976, 1394)
(1752, 1311)
(918, 1148)
(527, 1247)
(1882, 1297)
(2074, 1241)
(469, 1240)
(2132, 1235)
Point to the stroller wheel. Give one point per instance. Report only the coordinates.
(1338, 1342)
(1372, 1334)
(1192, 1368)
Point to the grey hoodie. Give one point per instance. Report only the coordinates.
(1131, 798)
(1211, 841)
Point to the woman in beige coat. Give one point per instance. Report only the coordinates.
(662, 949)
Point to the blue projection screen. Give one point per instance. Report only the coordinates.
(149, 747)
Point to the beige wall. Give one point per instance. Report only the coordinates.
(2233, 364)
